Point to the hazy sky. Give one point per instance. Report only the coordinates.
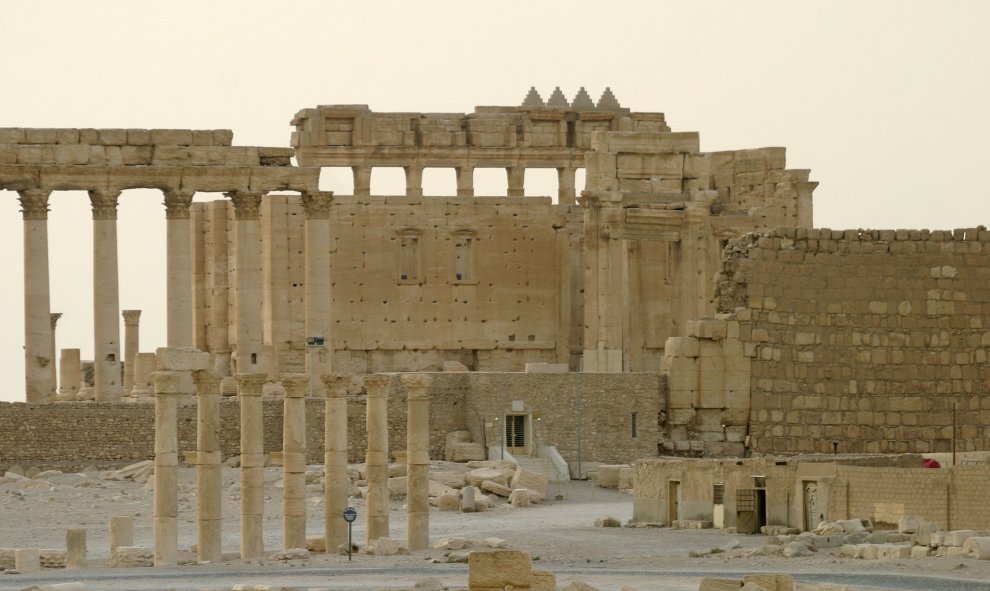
(887, 102)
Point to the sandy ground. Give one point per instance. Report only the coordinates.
(560, 535)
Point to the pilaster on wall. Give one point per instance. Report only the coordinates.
(708, 378)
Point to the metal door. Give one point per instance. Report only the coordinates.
(515, 434)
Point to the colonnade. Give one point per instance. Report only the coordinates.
(109, 383)
(515, 176)
(184, 372)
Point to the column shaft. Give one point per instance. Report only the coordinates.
(465, 181)
(166, 509)
(208, 469)
(54, 376)
(71, 369)
(248, 282)
(37, 322)
(338, 483)
(414, 181)
(106, 298)
(565, 186)
(319, 358)
(252, 465)
(517, 179)
(376, 460)
(417, 460)
(179, 270)
(362, 180)
(294, 460)
(132, 338)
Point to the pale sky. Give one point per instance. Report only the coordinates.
(887, 102)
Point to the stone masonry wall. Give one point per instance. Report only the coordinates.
(866, 338)
(75, 435)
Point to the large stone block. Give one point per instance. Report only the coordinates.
(499, 568)
(464, 452)
(531, 480)
(182, 359)
(771, 582)
(717, 584)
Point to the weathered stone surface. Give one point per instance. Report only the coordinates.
(771, 582)
(128, 556)
(479, 475)
(499, 568)
(386, 547)
(530, 480)
(465, 452)
(717, 584)
(496, 488)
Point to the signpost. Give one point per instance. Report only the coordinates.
(349, 516)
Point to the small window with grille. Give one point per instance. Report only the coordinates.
(718, 493)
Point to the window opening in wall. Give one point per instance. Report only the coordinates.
(579, 180)
(388, 180)
(463, 255)
(408, 258)
(440, 181)
(490, 182)
(633, 422)
(339, 179)
(541, 182)
(718, 493)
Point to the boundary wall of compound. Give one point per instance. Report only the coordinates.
(70, 436)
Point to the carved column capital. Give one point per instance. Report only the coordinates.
(53, 317)
(337, 384)
(296, 384)
(246, 205)
(34, 203)
(177, 204)
(104, 204)
(376, 386)
(207, 382)
(249, 384)
(317, 204)
(131, 317)
(417, 384)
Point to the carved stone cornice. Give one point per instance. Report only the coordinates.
(53, 317)
(317, 205)
(246, 205)
(177, 204)
(131, 317)
(104, 204)
(34, 203)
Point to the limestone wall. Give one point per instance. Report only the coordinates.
(868, 339)
(74, 435)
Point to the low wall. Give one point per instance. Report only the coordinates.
(73, 435)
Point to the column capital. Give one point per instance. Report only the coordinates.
(417, 384)
(177, 204)
(104, 204)
(53, 318)
(296, 384)
(337, 384)
(249, 384)
(207, 382)
(246, 205)
(131, 317)
(377, 385)
(317, 204)
(34, 203)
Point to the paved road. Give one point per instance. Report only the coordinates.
(357, 577)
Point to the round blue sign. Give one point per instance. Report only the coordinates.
(350, 514)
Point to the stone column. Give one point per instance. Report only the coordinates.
(179, 269)
(517, 179)
(132, 339)
(121, 534)
(168, 386)
(338, 483)
(248, 281)
(414, 180)
(54, 316)
(317, 286)
(294, 460)
(465, 181)
(106, 298)
(376, 460)
(75, 548)
(417, 460)
(565, 186)
(252, 465)
(208, 468)
(70, 367)
(144, 365)
(362, 180)
(37, 302)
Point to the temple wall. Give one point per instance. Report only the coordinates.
(868, 339)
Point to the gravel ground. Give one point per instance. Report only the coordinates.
(560, 535)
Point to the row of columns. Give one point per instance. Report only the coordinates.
(515, 175)
(171, 384)
(39, 342)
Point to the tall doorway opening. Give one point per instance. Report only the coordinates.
(515, 434)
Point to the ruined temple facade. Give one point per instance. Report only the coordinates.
(595, 282)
